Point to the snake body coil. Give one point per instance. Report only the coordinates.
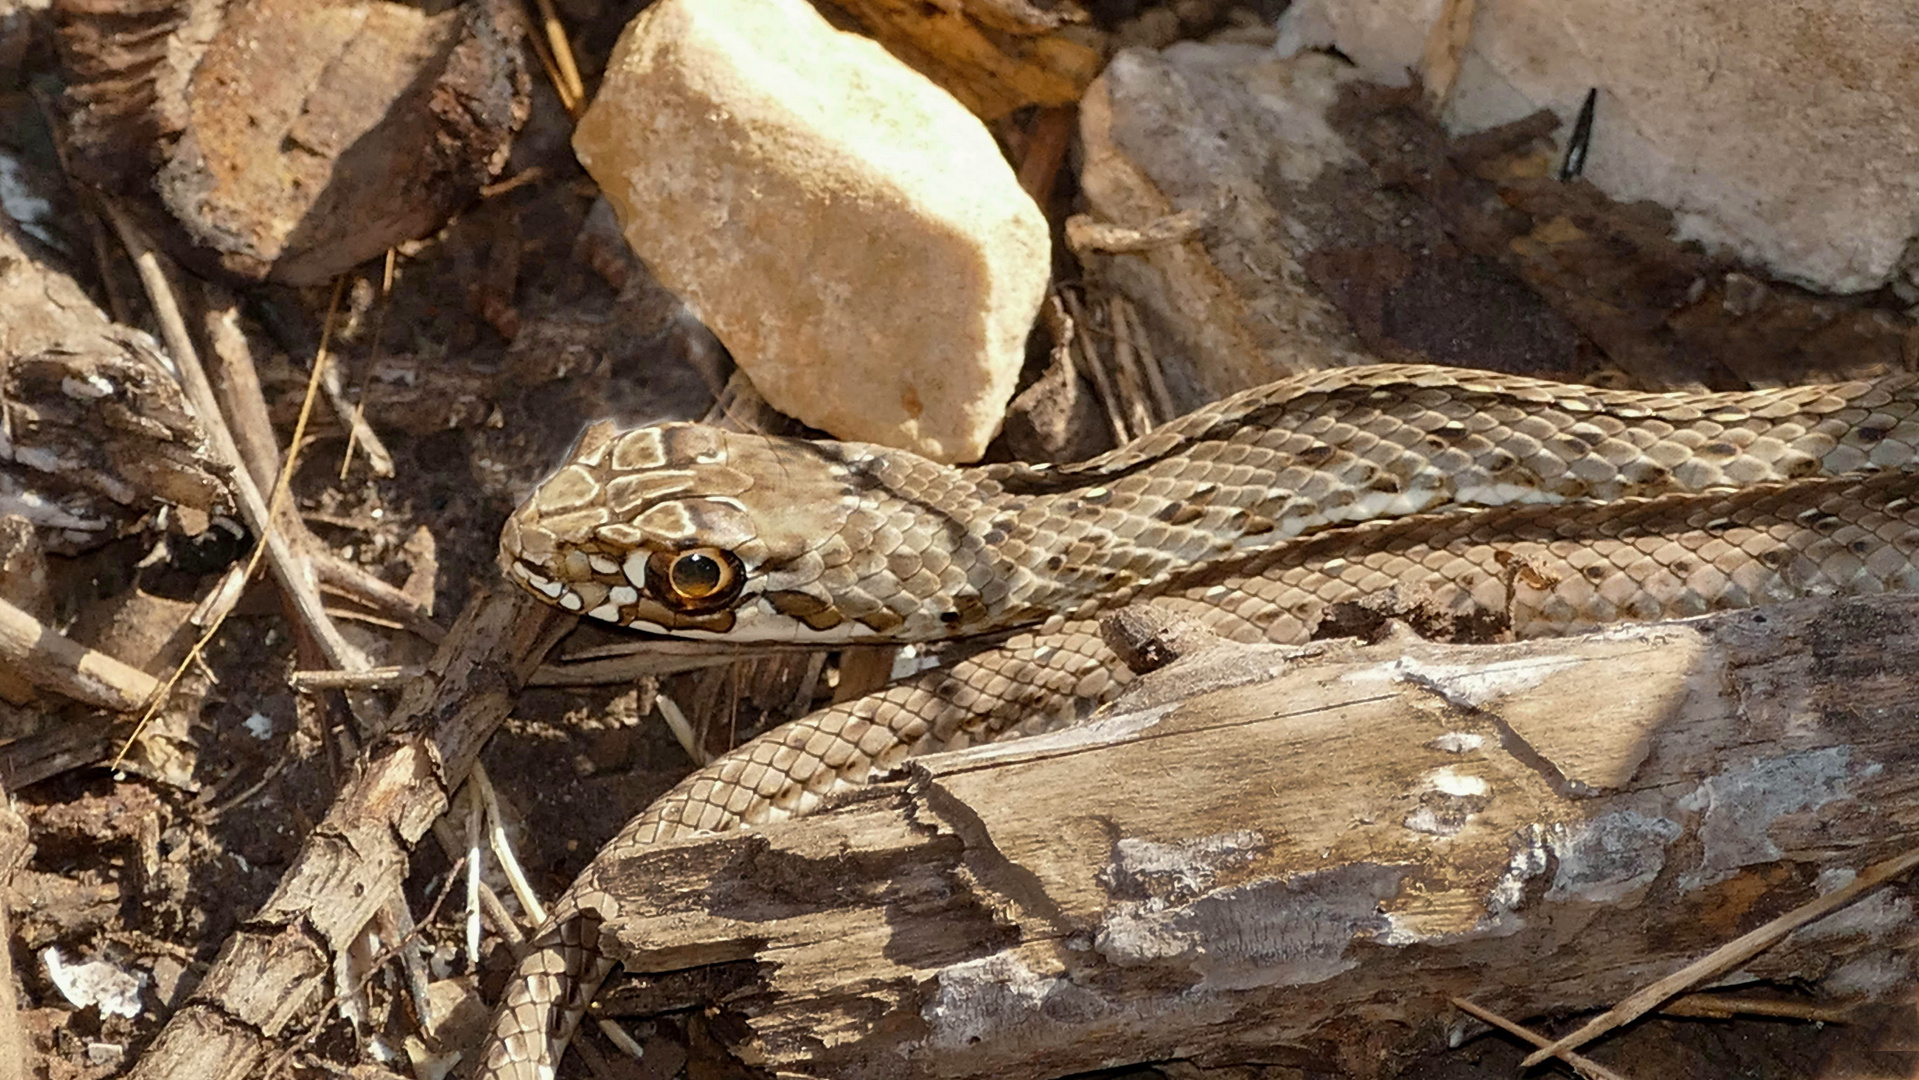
(1531, 507)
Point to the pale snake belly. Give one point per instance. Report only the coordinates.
(1542, 507)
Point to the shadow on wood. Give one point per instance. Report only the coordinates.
(1304, 868)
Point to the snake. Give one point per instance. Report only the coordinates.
(1525, 507)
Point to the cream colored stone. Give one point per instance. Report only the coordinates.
(849, 230)
(1784, 132)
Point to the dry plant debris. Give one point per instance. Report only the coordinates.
(259, 830)
(294, 140)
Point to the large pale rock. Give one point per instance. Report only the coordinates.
(1308, 259)
(847, 228)
(1784, 132)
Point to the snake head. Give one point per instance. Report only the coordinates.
(677, 528)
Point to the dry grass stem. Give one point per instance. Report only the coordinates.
(1728, 956)
(1581, 1064)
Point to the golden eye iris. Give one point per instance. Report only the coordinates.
(695, 580)
(696, 575)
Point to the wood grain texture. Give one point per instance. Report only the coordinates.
(279, 966)
(1309, 865)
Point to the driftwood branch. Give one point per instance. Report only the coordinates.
(1313, 863)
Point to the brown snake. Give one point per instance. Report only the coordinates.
(1544, 508)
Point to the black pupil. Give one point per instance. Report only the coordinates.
(696, 575)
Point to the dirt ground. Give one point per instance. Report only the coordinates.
(502, 336)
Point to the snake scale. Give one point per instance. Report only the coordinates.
(1548, 508)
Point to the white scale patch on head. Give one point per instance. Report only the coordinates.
(570, 487)
(670, 520)
(571, 601)
(574, 525)
(627, 493)
(621, 535)
(639, 449)
(552, 589)
(635, 570)
(605, 613)
(603, 565)
(622, 595)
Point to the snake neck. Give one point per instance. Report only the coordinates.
(823, 543)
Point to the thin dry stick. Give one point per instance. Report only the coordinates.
(552, 73)
(258, 510)
(1162, 397)
(490, 905)
(51, 660)
(1727, 957)
(552, 68)
(16, 1054)
(356, 583)
(236, 384)
(676, 722)
(374, 966)
(1717, 1007)
(286, 566)
(1089, 363)
(475, 834)
(1581, 1064)
(601, 667)
(392, 677)
(619, 1037)
(503, 848)
(377, 456)
(1126, 375)
(562, 53)
(244, 410)
(1085, 235)
(350, 416)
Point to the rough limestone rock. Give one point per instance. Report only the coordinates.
(1237, 134)
(847, 228)
(1310, 257)
(1783, 132)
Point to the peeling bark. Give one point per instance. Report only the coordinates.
(1303, 868)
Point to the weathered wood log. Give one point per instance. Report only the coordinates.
(1305, 867)
(286, 141)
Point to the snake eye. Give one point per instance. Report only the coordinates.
(696, 575)
(697, 579)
